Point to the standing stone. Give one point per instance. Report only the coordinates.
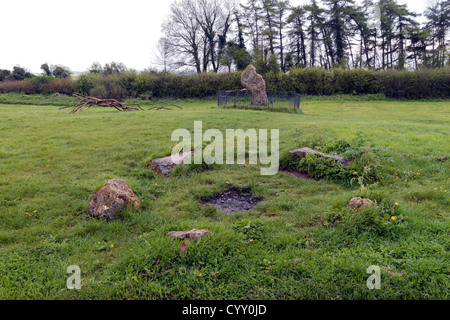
(255, 83)
(111, 198)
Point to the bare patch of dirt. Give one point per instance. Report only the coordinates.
(233, 200)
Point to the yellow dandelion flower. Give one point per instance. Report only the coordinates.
(98, 261)
(112, 246)
(396, 204)
(200, 275)
(393, 218)
(35, 211)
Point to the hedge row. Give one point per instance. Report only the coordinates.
(419, 84)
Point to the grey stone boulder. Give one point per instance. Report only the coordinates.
(188, 234)
(111, 198)
(165, 165)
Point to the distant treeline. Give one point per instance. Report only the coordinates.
(400, 84)
(213, 35)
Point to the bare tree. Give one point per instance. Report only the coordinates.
(163, 54)
(183, 34)
(252, 22)
(196, 32)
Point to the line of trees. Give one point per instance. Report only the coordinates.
(19, 73)
(224, 35)
(321, 48)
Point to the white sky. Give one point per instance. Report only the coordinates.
(75, 33)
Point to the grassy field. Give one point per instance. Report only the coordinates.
(287, 247)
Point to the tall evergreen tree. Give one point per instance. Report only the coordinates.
(315, 25)
(438, 23)
(339, 11)
(251, 14)
(282, 7)
(296, 21)
(269, 13)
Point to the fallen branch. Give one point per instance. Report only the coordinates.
(90, 102)
(164, 107)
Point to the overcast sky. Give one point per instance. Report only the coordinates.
(76, 33)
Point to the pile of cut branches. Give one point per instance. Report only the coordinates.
(89, 102)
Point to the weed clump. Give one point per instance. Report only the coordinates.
(380, 219)
(365, 161)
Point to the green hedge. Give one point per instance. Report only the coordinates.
(419, 84)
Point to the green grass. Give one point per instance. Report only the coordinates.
(305, 245)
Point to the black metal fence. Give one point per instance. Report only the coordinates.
(243, 98)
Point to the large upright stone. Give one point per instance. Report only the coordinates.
(112, 197)
(254, 83)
